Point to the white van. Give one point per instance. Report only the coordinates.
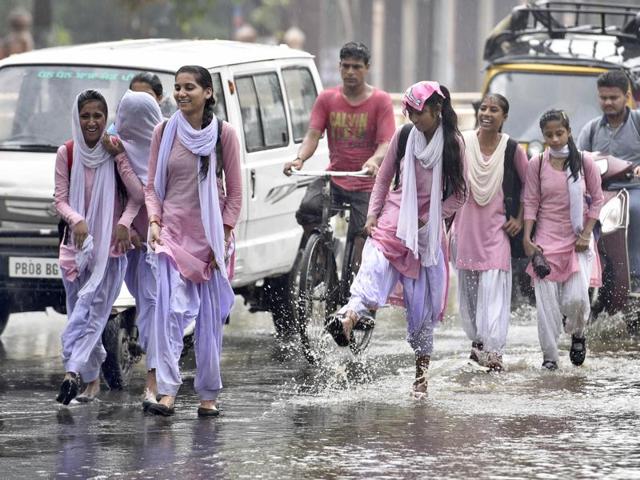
(266, 92)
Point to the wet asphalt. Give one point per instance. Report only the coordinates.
(350, 418)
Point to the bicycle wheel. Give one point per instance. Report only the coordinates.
(363, 331)
(318, 295)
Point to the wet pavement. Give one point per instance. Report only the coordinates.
(348, 418)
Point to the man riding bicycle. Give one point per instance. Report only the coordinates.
(359, 122)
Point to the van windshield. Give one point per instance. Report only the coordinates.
(36, 101)
(532, 94)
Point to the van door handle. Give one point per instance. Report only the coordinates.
(253, 183)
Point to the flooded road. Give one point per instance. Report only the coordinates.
(282, 418)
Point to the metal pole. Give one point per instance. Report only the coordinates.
(409, 42)
(377, 43)
(442, 49)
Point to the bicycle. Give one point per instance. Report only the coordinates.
(319, 290)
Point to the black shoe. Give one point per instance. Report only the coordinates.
(550, 365)
(475, 347)
(578, 350)
(335, 329)
(208, 412)
(68, 390)
(161, 410)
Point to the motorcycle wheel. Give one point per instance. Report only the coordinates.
(120, 340)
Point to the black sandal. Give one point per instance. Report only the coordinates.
(68, 389)
(336, 330)
(208, 412)
(550, 365)
(578, 350)
(161, 410)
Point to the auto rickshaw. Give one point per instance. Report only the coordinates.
(547, 55)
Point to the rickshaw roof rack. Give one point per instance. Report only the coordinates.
(542, 22)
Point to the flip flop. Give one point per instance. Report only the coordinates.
(208, 412)
(160, 410)
(85, 398)
(335, 329)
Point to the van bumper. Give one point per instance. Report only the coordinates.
(29, 291)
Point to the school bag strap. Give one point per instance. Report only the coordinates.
(511, 184)
(511, 189)
(63, 228)
(69, 146)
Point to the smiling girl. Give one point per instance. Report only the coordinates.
(559, 182)
(89, 198)
(190, 226)
(496, 169)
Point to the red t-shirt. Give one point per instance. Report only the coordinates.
(353, 132)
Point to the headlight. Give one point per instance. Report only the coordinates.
(611, 215)
(534, 148)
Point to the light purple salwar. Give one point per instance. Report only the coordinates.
(141, 283)
(179, 302)
(82, 350)
(423, 297)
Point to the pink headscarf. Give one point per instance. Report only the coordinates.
(417, 94)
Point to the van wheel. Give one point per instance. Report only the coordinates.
(4, 314)
(120, 340)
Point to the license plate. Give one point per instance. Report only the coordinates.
(29, 267)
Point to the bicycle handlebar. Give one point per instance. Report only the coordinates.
(329, 173)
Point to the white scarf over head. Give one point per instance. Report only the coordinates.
(99, 213)
(138, 114)
(485, 178)
(201, 143)
(429, 156)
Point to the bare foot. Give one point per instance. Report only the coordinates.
(90, 392)
(167, 401)
(151, 386)
(349, 321)
(208, 404)
(494, 362)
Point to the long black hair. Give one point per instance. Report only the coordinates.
(574, 160)
(204, 80)
(451, 153)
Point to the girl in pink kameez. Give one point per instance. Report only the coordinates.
(190, 234)
(405, 225)
(562, 197)
(491, 214)
(89, 199)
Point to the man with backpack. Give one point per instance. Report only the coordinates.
(359, 122)
(617, 133)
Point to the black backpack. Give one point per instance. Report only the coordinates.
(511, 189)
(402, 146)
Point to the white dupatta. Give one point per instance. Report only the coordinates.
(423, 242)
